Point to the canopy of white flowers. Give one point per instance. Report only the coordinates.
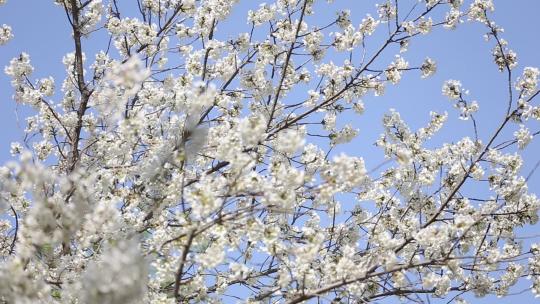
(174, 166)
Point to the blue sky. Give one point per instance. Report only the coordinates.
(41, 30)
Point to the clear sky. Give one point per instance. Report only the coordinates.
(41, 30)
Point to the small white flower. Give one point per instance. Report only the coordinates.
(16, 148)
(523, 137)
(452, 89)
(528, 82)
(428, 68)
(5, 34)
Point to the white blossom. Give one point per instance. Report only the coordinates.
(504, 57)
(523, 136)
(120, 276)
(479, 9)
(452, 89)
(6, 34)
(528, 82)
(264, 14)
(428, 67)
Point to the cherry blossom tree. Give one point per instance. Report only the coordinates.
(179, 166)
